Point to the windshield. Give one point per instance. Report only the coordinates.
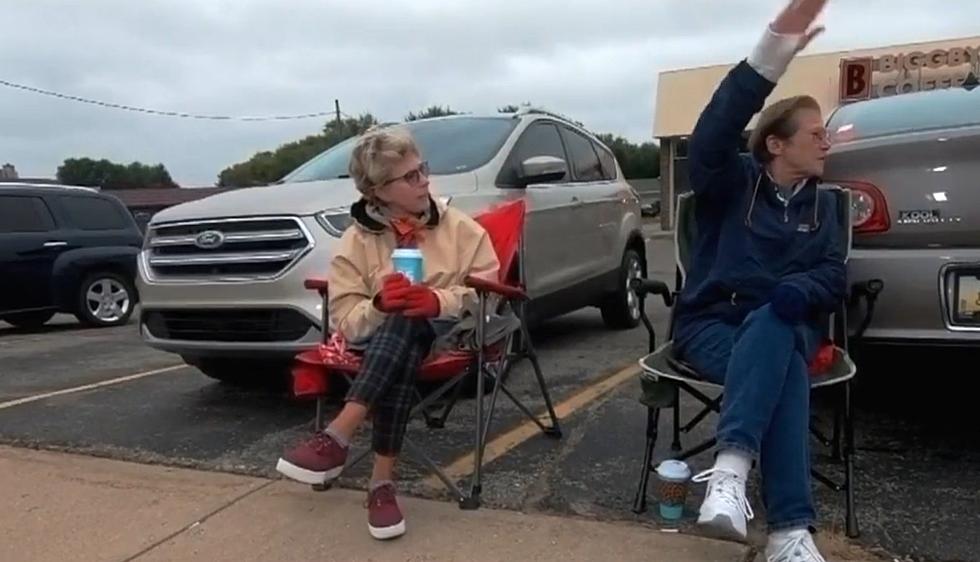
(938, 109)
(451, 146)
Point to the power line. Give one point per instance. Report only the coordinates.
(165, 113)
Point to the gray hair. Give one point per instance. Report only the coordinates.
(375, 154)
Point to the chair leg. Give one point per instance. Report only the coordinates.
(640, 502)
(318, 424)
(714, 407)
(472, 501)
(420, 456)
(676, 443)
(498, 386)
(555, 429)
(696, 450)
(440, 421)
(853, 530)
(835, 452)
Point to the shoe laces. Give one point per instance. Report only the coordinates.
(381, 496)
(323, 443)
(726, 485)
(800, 548)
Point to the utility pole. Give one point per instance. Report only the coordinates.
(336, 104)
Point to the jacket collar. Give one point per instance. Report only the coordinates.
(376, 224)
(770, 190)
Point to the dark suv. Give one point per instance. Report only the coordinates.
(66, 249)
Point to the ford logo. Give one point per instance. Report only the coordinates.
(209, 239)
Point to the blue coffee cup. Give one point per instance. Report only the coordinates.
(408, 261)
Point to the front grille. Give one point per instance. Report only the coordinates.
(259, 325)
(232, 249)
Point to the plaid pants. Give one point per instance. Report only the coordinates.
(386, 382)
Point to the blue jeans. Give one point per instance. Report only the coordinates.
(765, 411)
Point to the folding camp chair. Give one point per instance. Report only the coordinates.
(663, 376)
(489, 363)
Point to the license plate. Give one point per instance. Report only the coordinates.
(967, 298)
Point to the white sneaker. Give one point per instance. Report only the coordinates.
(799, 547)
(725, 511)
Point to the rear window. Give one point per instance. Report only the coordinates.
(92, 213)
(608, 162)
(24, 214)
(585, 161)
(938, 109)
(451, 146)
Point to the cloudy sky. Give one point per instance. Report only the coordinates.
(596, 61)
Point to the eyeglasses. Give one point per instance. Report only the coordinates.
(413, 177)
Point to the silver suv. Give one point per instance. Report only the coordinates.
(221, 279)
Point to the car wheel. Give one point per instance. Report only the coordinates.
(105, 299)
(28, 320)
(621, 311)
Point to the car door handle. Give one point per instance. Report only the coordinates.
(55, 244)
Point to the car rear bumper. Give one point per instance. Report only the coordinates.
(914, 305)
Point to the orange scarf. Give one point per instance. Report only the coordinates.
(408, 232)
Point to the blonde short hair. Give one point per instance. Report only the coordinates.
(778, 119)
(375, 154)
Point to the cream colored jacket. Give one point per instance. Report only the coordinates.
(453, 246)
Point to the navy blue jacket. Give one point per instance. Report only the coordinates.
(749, 240)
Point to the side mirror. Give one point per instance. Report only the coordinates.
(542, 169)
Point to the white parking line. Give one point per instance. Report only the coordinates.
(127, 378)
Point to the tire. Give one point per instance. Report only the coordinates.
(621, 310)
(105, 299)
(245, 373)
(29, 320)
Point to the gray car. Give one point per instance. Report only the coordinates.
(221, 279)
(912, 162)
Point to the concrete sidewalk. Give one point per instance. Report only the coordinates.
(61, 507)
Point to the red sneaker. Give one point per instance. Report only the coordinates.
(385, 519)
(317, 461)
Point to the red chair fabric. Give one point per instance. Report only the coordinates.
(504, 224)
(823, 360)
(312, 369)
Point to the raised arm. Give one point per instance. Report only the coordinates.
(716, 169)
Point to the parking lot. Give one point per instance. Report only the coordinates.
(102, 392)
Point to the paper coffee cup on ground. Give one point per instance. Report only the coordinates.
(672, 488)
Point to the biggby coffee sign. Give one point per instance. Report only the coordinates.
(889, 75)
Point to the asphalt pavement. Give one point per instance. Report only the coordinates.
(918, 450)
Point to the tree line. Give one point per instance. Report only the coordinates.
(270, 166)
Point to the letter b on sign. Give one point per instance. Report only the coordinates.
(855, 79)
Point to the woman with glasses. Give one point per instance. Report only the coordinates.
(394, 321)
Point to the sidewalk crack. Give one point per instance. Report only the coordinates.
(200, 521)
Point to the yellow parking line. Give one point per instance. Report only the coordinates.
(127, 378)
(503, 443)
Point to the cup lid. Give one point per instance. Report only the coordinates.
(673, 469)
(406, 253)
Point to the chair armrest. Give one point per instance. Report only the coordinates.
(484, 286)
(318, 285)
(644, 287)
(867, 290)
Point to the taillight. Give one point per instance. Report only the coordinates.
(869, 209)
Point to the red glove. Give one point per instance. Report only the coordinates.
(395, 288)
(422, 302)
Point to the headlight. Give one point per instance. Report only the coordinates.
(147, 235)
(334, 221)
